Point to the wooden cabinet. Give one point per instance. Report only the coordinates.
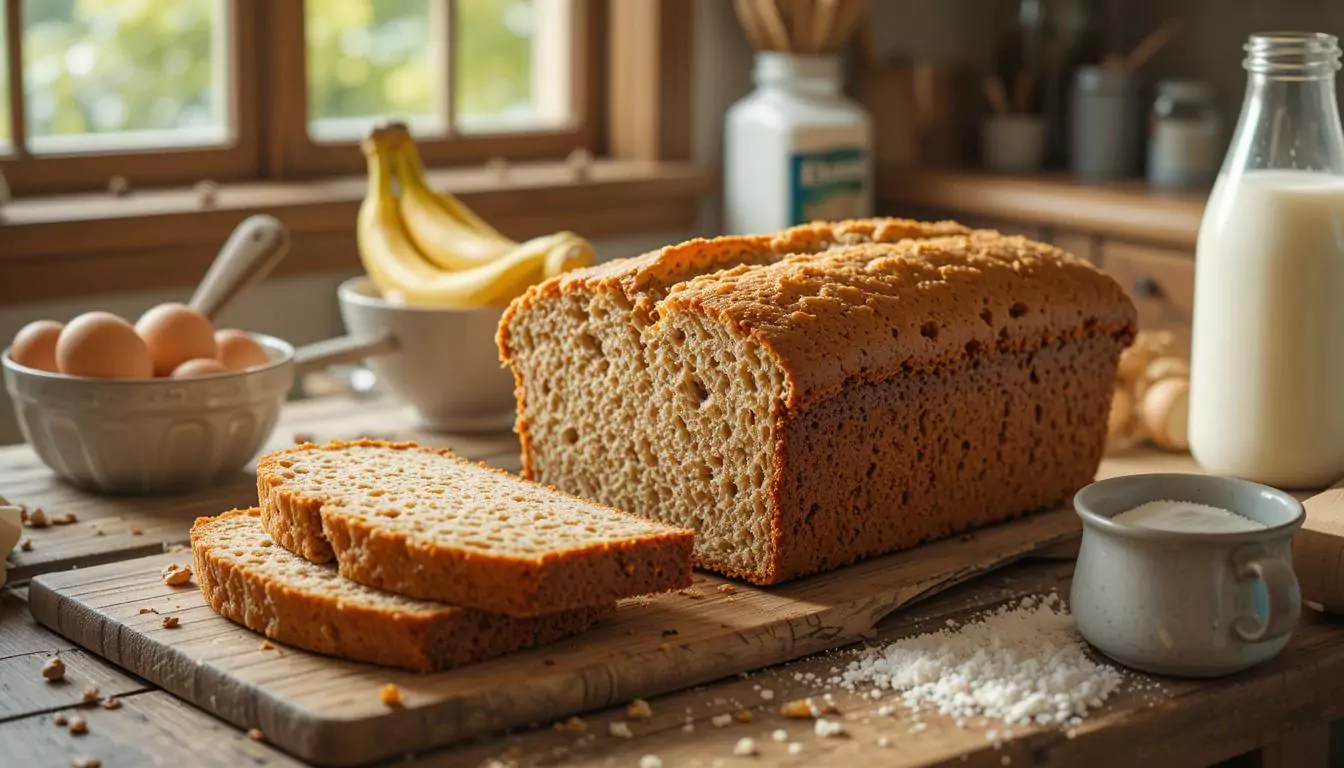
(1160, 281)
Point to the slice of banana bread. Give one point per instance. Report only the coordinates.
(247, 579)
(829, 393)
(426, 523)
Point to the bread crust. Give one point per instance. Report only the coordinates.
(431, 638)
(516, 586)
(853, 315)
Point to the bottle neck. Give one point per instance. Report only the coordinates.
(1290, 115)
(799, 73)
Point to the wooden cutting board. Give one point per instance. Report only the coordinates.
(328, 711)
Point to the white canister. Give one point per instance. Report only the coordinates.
(796, 149)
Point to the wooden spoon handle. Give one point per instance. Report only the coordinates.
(253, 250)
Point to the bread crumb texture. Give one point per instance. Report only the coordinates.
(829, 393)
(426, 523)
(248, 578)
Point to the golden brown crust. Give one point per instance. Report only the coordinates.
(427, 638)
(873, 311)
(368, 553)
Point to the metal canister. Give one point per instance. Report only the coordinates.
(1105, 130)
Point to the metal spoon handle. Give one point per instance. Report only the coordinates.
(255, 247)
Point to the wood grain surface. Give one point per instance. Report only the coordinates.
(328, 711)
(149, 729)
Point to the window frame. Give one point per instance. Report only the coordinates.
(79, 245)
(269, 115)
(293, 154)
(238, 159)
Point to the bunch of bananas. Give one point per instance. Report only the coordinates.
(422, 248)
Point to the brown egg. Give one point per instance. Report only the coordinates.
(35, 345)
(201, 366)
(237, 350)
(103, 345)
(175, 334)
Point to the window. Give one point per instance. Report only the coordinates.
(175, 91)
(99, 76)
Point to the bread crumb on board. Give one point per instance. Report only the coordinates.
(572, 725)
(60, 719)
(743, 716)
(266, 645)
(78, 726)
(639, 709)
(255, 734)
(85, 761)
(54, 669)
(137, 530)
(147, 609)
(780, 735)
(796, 748)
(90, 694)
(111, 702)
(26, 545)
(650, 761)
(175, 575)
(36, 519)
(620, 729)
(390, 695)
(745, 747)
(807, 709)
(171, 622)
(721, 721)
(69, 518)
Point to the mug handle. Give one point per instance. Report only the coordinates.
(1285, 596)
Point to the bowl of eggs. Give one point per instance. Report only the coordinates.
(167, 404)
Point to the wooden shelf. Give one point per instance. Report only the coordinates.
(59, 247)
(1128, 210)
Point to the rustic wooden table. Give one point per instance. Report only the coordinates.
(1276, 715)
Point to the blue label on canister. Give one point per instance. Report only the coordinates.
(828, 185)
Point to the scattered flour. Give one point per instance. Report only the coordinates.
(1023, 663)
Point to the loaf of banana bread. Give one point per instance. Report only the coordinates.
(829, 393)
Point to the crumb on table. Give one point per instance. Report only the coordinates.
(390, 695)
(54, 669)
(175, 575)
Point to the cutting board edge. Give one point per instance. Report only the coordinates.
(323, 740)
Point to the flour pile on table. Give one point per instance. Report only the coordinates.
(1023, 663)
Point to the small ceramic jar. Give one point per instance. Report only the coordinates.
(1186, 603)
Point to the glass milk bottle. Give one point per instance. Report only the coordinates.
(795, 149)
(1267, 358)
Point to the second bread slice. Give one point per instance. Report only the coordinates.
(286, 598)
(427, 523)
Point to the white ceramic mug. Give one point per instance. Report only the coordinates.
(1185, 603)
(445, 365)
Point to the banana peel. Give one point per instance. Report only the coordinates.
(446, 232)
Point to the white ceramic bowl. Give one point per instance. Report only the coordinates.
(152, 435)
(446, 364)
